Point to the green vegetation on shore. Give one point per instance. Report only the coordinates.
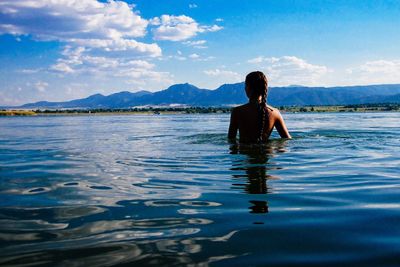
(345, 108)
(17, 113)
(201, 110)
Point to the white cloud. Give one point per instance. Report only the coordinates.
(206, 58)
(381, 66)
(178, 28)
(213, 28)
(288, 70)
(197, 57)
(72, 58)
(142, 49)
(62, 67)
(41, 86)
(377, 71)
(192, 43)
(256, 60)
(78, 61)
(192, 5)
(224, 75)
(194, 56)
(110, 25)
(30, 71)
(219, 19)
(69, 18)
(179, 56)
(196, 44)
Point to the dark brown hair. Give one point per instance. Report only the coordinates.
(257, 85)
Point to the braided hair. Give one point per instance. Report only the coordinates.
(257, 84)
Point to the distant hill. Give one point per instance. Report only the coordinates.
(233, 94)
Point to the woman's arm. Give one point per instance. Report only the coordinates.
(233, 126)
(281, 126)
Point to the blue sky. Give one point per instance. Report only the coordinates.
(67, 49)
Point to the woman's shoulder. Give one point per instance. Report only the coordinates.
(273, 111)
(241, 107)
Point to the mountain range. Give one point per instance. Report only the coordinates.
(232, 94)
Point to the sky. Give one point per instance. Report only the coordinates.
(59, 50)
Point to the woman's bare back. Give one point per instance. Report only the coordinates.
(245, 119)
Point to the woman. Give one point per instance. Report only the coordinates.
(256, 120)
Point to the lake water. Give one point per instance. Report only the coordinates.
(169, 190)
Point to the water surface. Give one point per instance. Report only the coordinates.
(169, 190)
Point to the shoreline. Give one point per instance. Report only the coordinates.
(199, 110)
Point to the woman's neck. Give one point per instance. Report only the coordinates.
(255, 100)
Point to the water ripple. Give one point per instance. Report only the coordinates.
(169, 190)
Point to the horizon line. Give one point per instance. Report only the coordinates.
(152, 92)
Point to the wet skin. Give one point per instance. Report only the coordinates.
(245, 119)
